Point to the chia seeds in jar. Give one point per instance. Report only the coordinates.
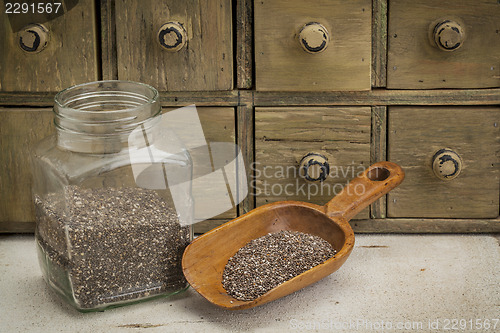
(107, 230)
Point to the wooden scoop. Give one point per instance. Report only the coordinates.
(205, 258)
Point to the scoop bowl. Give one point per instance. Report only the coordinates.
(205, 258)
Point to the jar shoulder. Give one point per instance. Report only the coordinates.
(74, 168)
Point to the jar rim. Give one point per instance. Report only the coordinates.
(150, 100)
(100, 115)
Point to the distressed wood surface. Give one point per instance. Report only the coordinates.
(414, 60)
(210, 98)
(245, 126)
(380, 97)
(17, 227)
(379, 43)
(416, 134)
(20, 129)
(70, 56)
(207, 225)
(244, 44)
(265, 98)
(205, 63)
(378, 153)
(109, 64)
(284, 135)
(416, 225)
(282, 65)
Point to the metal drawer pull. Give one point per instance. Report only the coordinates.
(446, 164)
(172, 36)
(314, 38)
(449, 35)
(33, 38)
(314, 167)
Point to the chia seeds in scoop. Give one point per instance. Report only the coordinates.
(268, 261)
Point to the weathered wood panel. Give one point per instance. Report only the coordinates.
(282, 65)
(379, 43)
(70, 56)
(417, 133)
(204, 63)
(245, 126)
(415, 61)
(20, 129)
(417, 225)
(266, 98)
(108, 40)
(284, 135)
(244, 46)
(380, 97)
(379, 152)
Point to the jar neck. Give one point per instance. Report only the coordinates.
(98, 117)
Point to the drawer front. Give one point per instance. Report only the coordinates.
(48, 52)
(320, 47)
(451, 158)
(20, 129)
(443, 44)
(333, 138)
(196, 44)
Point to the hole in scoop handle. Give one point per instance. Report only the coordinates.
(362, 191)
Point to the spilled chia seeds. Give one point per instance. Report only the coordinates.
(110, 245)
(268, 261)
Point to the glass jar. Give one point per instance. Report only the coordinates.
(110, 229)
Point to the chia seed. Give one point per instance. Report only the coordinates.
(268, 261)
(109, 245)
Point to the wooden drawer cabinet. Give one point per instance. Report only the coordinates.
(321, 91)
(309, 154)
(48, 52)
(305, 47)
(451, 159)
(175, 45)
(443, 44)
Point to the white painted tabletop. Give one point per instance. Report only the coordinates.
(398, 283)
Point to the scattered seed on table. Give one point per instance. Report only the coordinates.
(270, 260)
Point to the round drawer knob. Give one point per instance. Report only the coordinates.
(447, 164)
(33, 38)
(314, 167)
(172, 36)
(314, 38)
(449, 35)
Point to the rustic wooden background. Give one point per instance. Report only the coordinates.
(221, 69)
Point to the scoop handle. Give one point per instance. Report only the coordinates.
(373, 183)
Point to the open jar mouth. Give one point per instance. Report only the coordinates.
(133, 94)
(105, 107)
(90, 113)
